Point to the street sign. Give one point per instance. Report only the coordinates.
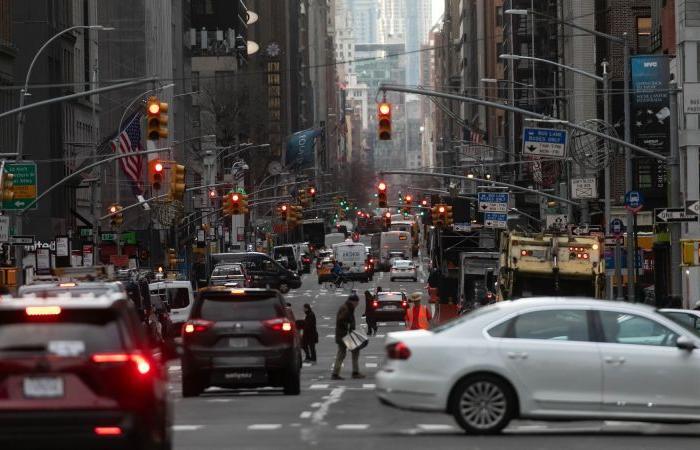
(634, 201)
(666, 215)
(693, 206)
(22, 240)
(691, 98)
(544, 142)
(4, 228)
(617, 227)
(496, 220)
(462, 227)
(24, 185)
(493, 201)
(556, 221)
(584, 188)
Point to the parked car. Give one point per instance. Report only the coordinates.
(224, 274)
(390, 306)
(78, 372)
(305, 263)
(291, 254)
(323, 273)
(403, 269)
(686, 317)
(264, 272)
(240, 338)
(547, 358)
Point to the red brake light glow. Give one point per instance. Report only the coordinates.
(375, 304)
(398, 351)
(196, 326)
(279, 324)
(43, 310)
(404, 304)
(108, 431)
(142, 365)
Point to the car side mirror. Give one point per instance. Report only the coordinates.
(685, 343)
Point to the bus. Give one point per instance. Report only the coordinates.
(393, 242)
(410, 226)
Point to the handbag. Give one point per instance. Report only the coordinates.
(355, 341)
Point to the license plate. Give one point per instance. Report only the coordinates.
(239, 376)
(389, 307)
(43, 387)
(238, 342)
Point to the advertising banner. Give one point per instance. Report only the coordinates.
(301, 148)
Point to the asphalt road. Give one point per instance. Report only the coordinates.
(346, 414)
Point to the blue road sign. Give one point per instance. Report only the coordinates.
(495, 220)
(493, 201)
(544, 142)
(634, 201)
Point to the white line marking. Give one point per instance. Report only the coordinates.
(371, 356)
(187, 427)
(265, 426)
(318, 386)
(305, 415)
(219, 400)
(435, 427)
(174, 368)
(370, 364)
(353, 426)
(306, 364)
(369, 386)
(316, 404)
(382, 324)
(381, 335)
(320, 414)
(330, 335)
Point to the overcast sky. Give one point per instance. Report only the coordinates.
(438, 8)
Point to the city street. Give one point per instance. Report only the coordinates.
(347, 415)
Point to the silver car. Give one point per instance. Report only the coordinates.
(547, 358)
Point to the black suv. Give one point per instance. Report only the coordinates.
(263, 271)
(79, 373)
(240, 338)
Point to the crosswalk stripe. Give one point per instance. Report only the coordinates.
(187, 427)
(352, 426)
(265, 426)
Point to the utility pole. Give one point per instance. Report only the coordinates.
(629, 175)
(674, 194)
(608, 202)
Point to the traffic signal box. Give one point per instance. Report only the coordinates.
(438, 213)
(117, 217)
(156, 119)
(381, 194)
(284, 212)
(172, 259)
(384, 121)
(407, 201)
(244, 203)
(311, 193)
(449, 218)
(387, 220)
(8, 186)
(294, 215)
(177, 182)
(156, 174)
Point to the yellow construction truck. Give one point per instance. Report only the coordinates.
(551, 264)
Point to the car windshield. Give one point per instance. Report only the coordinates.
(231, 309)
(75, 291)
(403, 264)
(226, 271)
(389, 296)
(473, 314)
(72, 333)
(688, 321)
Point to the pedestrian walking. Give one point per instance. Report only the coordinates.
(344, 324)
(369, 314)
(310, 336)
(418, 317)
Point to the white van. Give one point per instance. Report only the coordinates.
(353, 256)
(179, 297)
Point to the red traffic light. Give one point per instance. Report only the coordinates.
(153, 108)
(387, 215)
(312, 191)
(283, 207)
(382, 186)
(212, 193)
(408, 198)
(424, 202)
(235, 197)
(441, 209)
(384, 108)
(158, 167)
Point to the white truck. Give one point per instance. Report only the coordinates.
(353, 257)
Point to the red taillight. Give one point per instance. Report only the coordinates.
(51, 310)
(142, 364)
(404, 304)
(398, 351)
(279, 325)
(108, 431)
(375, 304)
(196, 326)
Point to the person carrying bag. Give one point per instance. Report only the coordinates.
(344, 326)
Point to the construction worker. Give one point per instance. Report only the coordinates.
(418, 317)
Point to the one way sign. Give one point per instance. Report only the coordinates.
(666, 215)
(693, 206)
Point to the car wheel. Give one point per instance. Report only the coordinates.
(292, 382)
(284, 288)
(191, 385)
(482, 404)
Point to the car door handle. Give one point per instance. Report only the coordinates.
(612, 360)
(517, 355)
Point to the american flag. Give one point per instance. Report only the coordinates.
(130, 142)
(476, 137)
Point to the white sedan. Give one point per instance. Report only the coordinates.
(547, 358)
(403, 268)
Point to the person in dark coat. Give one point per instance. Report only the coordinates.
(344, 324)
(310, 337)
(369, 314)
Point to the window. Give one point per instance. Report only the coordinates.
(241, 309)
(499, 16)
(622, 328)
(557, 325)
(643, 34)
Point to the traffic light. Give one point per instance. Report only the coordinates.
(284, 211)
(172, 259)
(244, 203)
(155, 174)
(407, 201)
(156, 119)
(449, 219)
(387, 220)
(311, 191)
(177, 182)
(424, 202)
(116, 218)
(302, 197)
(438, 212)
(228, 205)
(381, 194)
(384, 121)
(235, 203)
(8, 186)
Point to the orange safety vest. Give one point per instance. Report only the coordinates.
(421, 323)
